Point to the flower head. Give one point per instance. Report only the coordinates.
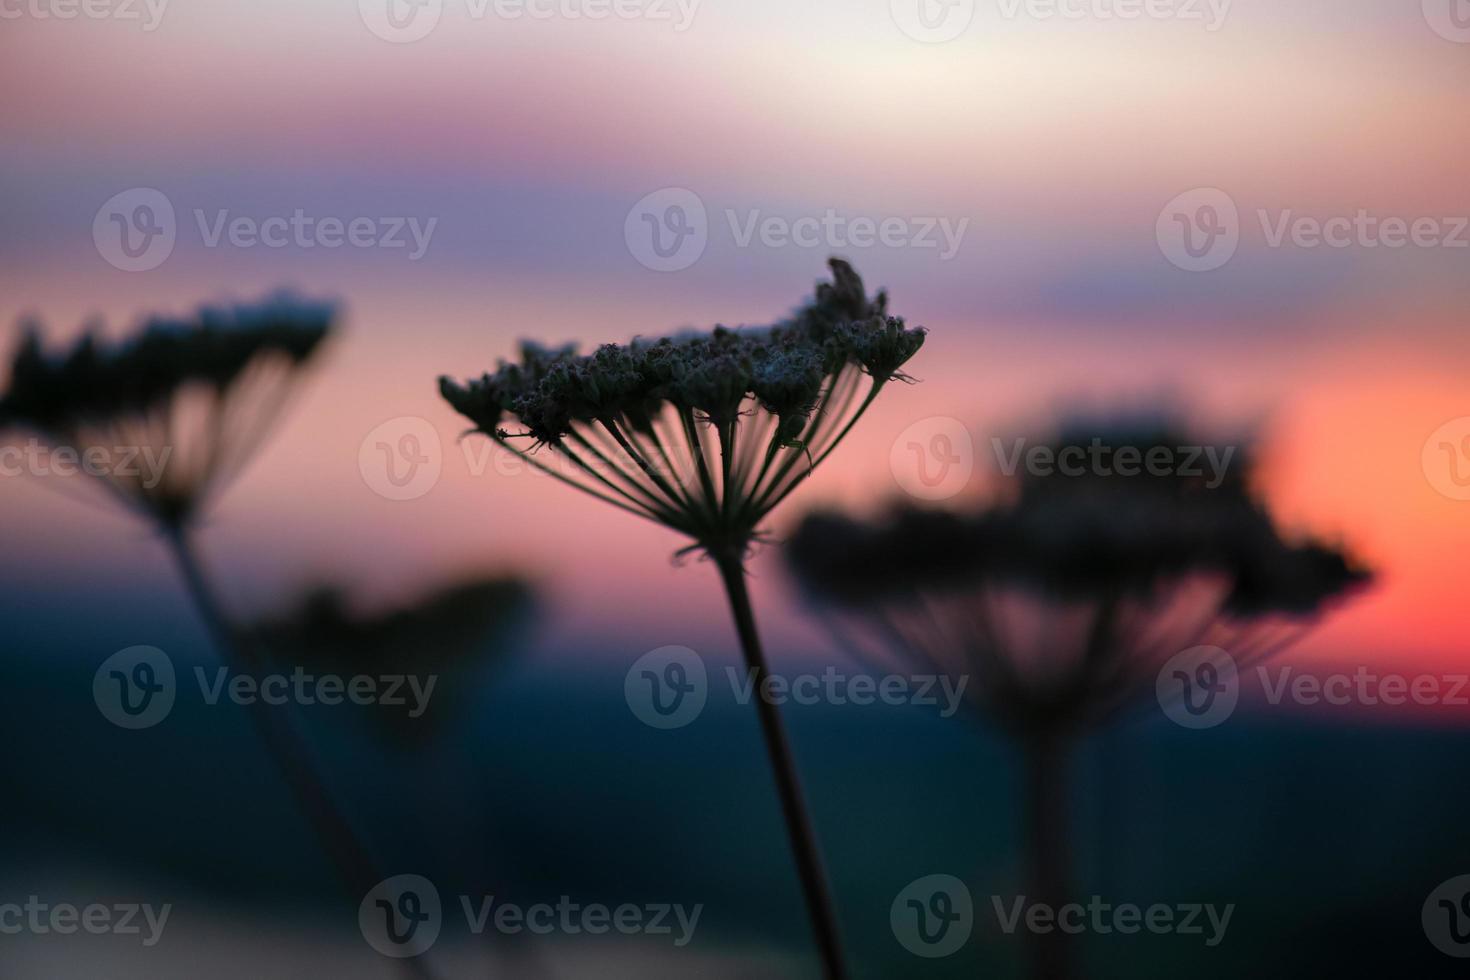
(196, 394)
(703, 432)
(450, 635)
(1066, 595)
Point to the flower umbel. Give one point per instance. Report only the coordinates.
(1063, 598)
(451, 634)
(706, 433)
(198, 393)
(702, 432)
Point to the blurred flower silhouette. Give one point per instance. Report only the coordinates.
(447, 642)
(706, 433)
(1064, 598)
(452, 635)
(198, 395)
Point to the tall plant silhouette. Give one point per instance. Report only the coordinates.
(453, 636)
(198, 395)
(706, 433)
(1066, 596)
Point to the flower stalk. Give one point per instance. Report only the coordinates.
(1062, 600)
(801, 834)
(199, 394)
(706, 434)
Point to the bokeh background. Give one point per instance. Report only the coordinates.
(1059, 141)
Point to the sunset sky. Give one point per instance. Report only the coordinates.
(1057, 142)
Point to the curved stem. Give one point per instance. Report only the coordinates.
(803, 839)
(286, 746)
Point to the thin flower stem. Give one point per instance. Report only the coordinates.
(727, 456)
(685, 499)
(755, 437)
(764, 506)
(821, 908)
(760, 491)
(286, 746)
(772, 451)
(696, 450)
(573, 483)
(643, 464)
(653, 503)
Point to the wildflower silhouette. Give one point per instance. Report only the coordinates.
(1062, 600)
(447, 640)
(199, 395)
(706, 433)
(449, 635)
